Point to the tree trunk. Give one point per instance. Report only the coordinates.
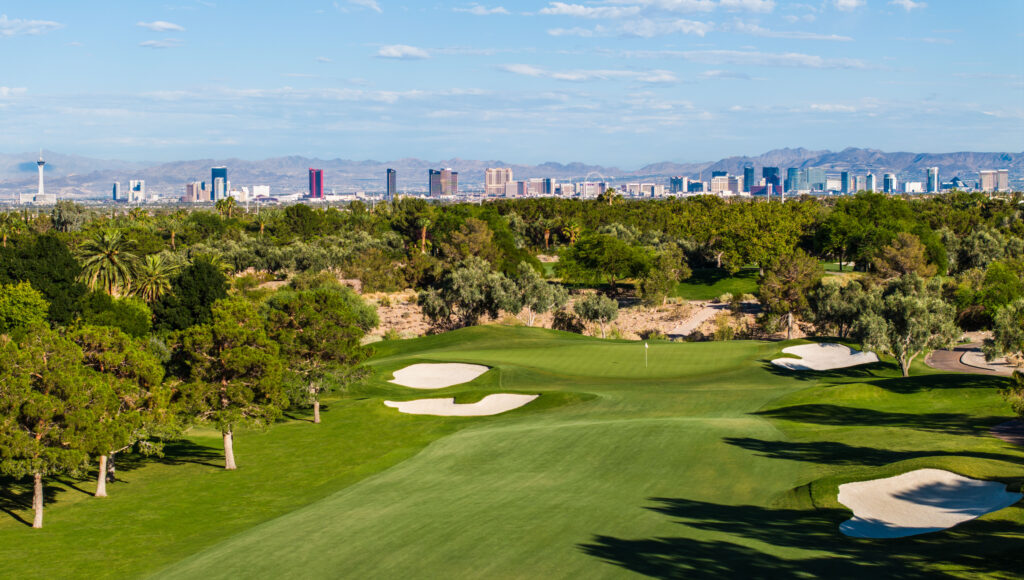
(718, 260)
(37, 501)
(547, 236)
(172, 240)
(789, 325)
(112, 467)
(229, 450)
(905, 367)
(602, 330)
(101, 478)
(531, 317)
(423, 240)
(316, 411)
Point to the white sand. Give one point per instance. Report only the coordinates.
(823, 357)
(917, 502)
(437, 376)
(489, 405)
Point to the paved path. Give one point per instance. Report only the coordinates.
(952, 361)
(1011, 432)
(707, 311)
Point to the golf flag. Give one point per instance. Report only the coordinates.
(646, 345)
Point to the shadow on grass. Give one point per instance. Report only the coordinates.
(820, 414)
(976, 547)
(861, 373)
(832, 453)
(183, 451)
(16, 496)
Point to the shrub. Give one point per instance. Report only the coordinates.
(725, 298)
(723, 327)
(567, 321)
(392, 334)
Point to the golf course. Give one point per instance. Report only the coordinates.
(681, 460)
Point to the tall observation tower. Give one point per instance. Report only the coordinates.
(40, 163)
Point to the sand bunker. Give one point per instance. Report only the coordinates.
(489, 405)
(437, 376)
(918, 502)
(823, 357)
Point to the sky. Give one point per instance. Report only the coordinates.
(613, 82)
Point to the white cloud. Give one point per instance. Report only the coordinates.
(6, 92)
(749, 58)
(580, 75)
(749, 5)
(577, 31)
(833, 108)
(16, 26)
(582, 11)
(165, 43)
(323, 59)
(681, 5)
(724, 74)
(161, 26)
(478, 10)
(371, 4)
(757, 30)
(848, 5)
(908, 5)
(402, 52)
(648, 28)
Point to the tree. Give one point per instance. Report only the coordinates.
(572, 231)
(130, 315)
(598, 308)
(108, 263)
(785, 286)
(153, 277)
(467, 293)
(233, 371)
(474, 238)
(320, 334)
(835, 307)
(602, 257)
(1014, 393)
(905, 255)
(68, 216)
(538, 296)
(226, 206)
(668, 270)
(138, 411)
(46, 263)
(423, 223)
(193, 291)
(10, 224)
(1007, 333)
(45, 395)
(21, 306)
(908, 318)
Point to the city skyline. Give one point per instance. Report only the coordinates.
(623, 83)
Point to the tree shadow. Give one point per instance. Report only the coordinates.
(832, 453)
(16, 496)
(916, 384)
(184, 451)
(821, 414)
(859, 373)
(979, 546)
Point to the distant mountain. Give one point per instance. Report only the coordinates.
(71, 175)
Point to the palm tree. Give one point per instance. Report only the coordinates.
(153, 278)
(261, 220)
(10, 223)
(137, 214)
(108, 263)
(226, 206)
(423, 223)
(572, 230)
(173, 224)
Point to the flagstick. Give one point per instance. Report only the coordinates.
(645, 355)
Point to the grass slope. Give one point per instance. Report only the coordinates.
(708, 463)
(710, 283)
(680, 469)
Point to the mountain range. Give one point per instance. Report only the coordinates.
(77, 176)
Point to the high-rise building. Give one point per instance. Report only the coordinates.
(40, 164)
(715, 174)
(443, 182)
(193, 192)
(220, 189)
(870, 184)
(748, 178)
(860, 183)
(816, 180)
(771, 177)
(844, 182)
(316, 183)
(678, 184)
(1003, 180)
(792, 182)
(392, 187)
(933, 180)
(889, 183)
(215, 174)
(136, 191)
(116, 191)
(495, 179)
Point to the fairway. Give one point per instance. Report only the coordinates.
(710, 462)
(710, 283)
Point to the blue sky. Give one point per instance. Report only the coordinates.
(617, 82)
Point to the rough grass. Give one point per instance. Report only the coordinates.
(710, 283)
(709, 463)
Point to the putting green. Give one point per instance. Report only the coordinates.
(709, 462)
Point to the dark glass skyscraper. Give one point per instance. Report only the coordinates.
(792, 179)
(221, 172)
(392, 188)
(748, 178)
(771, 177)
(715, 174)
(316, 183)
(844, 182)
